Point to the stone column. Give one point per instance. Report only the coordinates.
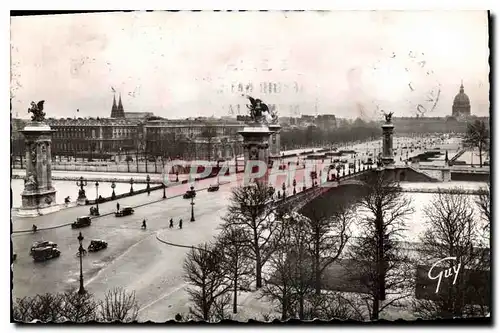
(39, 196)
(387, 144)
(256, 146)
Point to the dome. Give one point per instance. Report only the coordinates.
(461, 99)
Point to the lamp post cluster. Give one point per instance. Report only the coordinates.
(81, 193)
(131, 181)
(113, 195)
(81, 291)
(97, 198)
(192, 203)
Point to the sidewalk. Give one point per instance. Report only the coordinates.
(69, 215)
(93, 176)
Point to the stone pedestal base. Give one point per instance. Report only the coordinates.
(34, 212)
(38, 202)
(81, 201)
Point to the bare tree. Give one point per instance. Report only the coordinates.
(328, 236)
(453, 231)
(46, 308)
(483, 202)
(74, 307)
(79, 308)
(278, 286)
(203, 269)
(296, 240)
(234, 244)
(332, 305)
(378, 260)
(477, 135)
(118, 305)
(250, 209)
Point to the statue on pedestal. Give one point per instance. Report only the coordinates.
(388, 117)
(30, 183)
(260, 112)
(37, 111)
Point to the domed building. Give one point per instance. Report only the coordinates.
(461, 104)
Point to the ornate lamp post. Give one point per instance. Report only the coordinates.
(81, 193)
(294, 184)
(177, 176)
(192, 205)
(283, 187)
(97, 197)
(113, 185)
(164, 193)
(81, 291)
(131, 181)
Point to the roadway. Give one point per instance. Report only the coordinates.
(134, 259)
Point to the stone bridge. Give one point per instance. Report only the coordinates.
(296, 202)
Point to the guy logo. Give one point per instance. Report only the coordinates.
(447, 272)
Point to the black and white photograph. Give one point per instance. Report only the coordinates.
(238, 166)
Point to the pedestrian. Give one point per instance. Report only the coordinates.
(180, 224)
(144, 224)
(117, 206)
(171, 223)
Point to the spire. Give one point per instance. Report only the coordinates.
(113, 108)
(462, 87)
(120, 112)
(120, 105)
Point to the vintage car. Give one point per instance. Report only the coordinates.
(351, 166)
(189, 194)
(82, 221)
(213, 188)
(14, 256)
(42, 244)
(45, 253)
(97, 245)
(125, 211)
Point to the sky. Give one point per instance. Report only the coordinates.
(187, 64)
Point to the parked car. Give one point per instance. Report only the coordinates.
(82, 221)
(14, 256)
(41, 244)
(213, 188)
(124, 212)
(45, 253)
(97, 245)
(189, 194)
